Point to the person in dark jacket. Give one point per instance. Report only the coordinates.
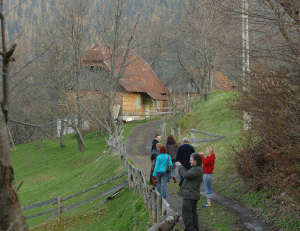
(172, 147)
(155, 153)
(190, 191)
(183, 155)
(156, 140)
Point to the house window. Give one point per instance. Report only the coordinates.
(138, 102)
(155, 104)
(92, 69)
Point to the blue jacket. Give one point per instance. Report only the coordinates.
(183, 155)
(161, 163)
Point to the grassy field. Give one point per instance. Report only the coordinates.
(214, 116)
(68, 171)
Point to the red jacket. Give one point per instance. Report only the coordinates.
(208, 163)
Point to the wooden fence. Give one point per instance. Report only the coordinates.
(159, 210)
(164, 111)
(59, 209)
(202, 140)
(163, 131)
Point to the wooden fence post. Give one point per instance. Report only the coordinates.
(179, 134)
(59, 208)
(145, 195)
(129, 176)
(149, 191)
(133, 178)
(192, 137)
(154, 206)
(161, 129)
(172, 131)
(159, 208)
(135, 188)
(140, 181)
(149, 225)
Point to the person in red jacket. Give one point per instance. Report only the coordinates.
(208, 163)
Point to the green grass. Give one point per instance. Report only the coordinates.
(68, 171)
(214, 116)
(216, 217)
(125, 212)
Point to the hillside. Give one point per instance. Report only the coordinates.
(68, 171)
(215, 116)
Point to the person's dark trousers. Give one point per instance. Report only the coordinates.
(189, 215)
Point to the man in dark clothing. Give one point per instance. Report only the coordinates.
(190, 191)
(183, 155)
(156, 140)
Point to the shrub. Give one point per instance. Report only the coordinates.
(273, 161)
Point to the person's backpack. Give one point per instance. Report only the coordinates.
(169, 167)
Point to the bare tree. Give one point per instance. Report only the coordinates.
(11, 212)
(114, 31)
(202, 28)
(67, 34)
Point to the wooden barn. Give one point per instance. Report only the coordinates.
(138, 91)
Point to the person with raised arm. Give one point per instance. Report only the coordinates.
(208, 162)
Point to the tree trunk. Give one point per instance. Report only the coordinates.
(62, 129)
(111, 111)
(11, 212)
(210, 79)
(80, 142)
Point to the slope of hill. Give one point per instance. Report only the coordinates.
(215, 116)
(68, 171)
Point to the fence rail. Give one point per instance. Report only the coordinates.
(61, 209)
(202, 140)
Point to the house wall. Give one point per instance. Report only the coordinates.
(130, 103)
(97, 103)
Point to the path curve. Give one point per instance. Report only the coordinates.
(138, 146)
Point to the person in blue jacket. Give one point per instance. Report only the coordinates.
(160, 170)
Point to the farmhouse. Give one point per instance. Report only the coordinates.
(139, 89)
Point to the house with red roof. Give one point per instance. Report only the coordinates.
(139, 88)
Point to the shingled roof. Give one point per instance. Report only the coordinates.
(183, 81)
(138, 75)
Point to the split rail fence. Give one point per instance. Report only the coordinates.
(203, 140)
(163, 217)
(59, 209)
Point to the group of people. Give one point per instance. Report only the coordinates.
(192, 168)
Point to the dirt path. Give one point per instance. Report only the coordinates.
(138, 147)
